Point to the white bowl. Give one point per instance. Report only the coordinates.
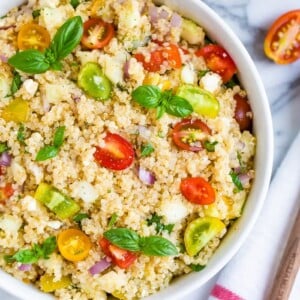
(248, 75)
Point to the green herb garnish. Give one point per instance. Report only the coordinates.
(36, 13)
(236, 180)
(3, 147)
(51, 151)
(196, 267)
(74, 3)
(79, 217)
(210, 146)
(30, 256)
(146, 150)
(15, 84)
(129, 240)
(203, 73)
(150, 96)
(112, 221)
(232, 82)
(67, 37)
(159, 226)
(21, 134)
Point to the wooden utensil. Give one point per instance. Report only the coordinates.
(289, 265)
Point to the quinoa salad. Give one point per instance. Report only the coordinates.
(126, 147)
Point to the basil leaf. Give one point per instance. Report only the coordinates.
(48, 247)
(210, 146)
(21, 134)
(9, 259)
(124, 238)
(157, 246)
(196, 267)
(16, 83)
(179, 107)
(113, 220)
(147, 95)
(67, 37)
(146, 150)
(46, 153)
(36, 13)
(74, 3)
(59, 136)
(236, 180)
(79, 217)
(29, 61)
(160, 111)
(26, 256)
(3, 147)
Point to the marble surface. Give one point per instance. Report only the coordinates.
(250, 19)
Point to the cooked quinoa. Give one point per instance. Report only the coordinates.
(56, 100)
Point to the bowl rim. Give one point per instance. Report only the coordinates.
(263, 162)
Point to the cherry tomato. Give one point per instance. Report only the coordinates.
(97, 33)
(218, 60)
(73, 244)
(117, 153)
(6, 192)
(169, 53)
(282, 43)
(49, 284)
(189, 134)
(33, 36)
(197, 190)
(122, 258)
(243, 113)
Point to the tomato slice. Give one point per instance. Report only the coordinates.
(73, 244)
(33, 36)
(122, 258)
(97, 33)
(282, 43)
(169, 53)
(189, 134)
(243, 113)
(6, 192)
(197, 190)
(117, 153)
(218, 60)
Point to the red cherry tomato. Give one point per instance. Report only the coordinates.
(282, 43)
(117, 153)
(169, 53)
(122, 258)
(197, 190)
(218, 60)
(97, 33)
(189, 134)
(6, 192)
(243, 113)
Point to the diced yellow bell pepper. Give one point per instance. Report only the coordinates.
(118, 295)
(48, 284)
(96, 6)
(165, 85)
(17, 111)
(151, 79)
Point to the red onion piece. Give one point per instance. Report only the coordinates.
(163, 14)
(76, 98)
(3, 58)
(7, 27)
(126, 70)
(176, 20)
(5, 159)
(244, 179)
(146, 176)
(100, 266)
(25, 267)
(153, 13)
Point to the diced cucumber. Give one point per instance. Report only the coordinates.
(191, 32)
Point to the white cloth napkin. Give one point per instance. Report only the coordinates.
(250, 274)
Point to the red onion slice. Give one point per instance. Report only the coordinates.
(25, 267)
(146, 176)
(244, 179)
(100, 266)
(5, 159)
(3, 58)
(153, 13)
(126, 70)
(176, 20)
(163, 14)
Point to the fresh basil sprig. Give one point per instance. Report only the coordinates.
(151, 245)
(51, 151)
(65, 40)
(30, 256)
(150, 96)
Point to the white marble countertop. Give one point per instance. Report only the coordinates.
(250, 19)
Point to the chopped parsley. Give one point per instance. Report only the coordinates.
(203, 73)
(210, 146)
(3, 147)
(36, 13)
(196, 267)
(232, 82)
(146, 150)
(113, 219)
(79, 217)
(21, 134)
(75, 3)
(236, 180)
(159, 226)
(15, 84)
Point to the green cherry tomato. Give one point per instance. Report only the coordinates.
(203, 102)
(199, 232)
(94, 82)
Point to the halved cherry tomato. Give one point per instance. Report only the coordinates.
(169, 53)
(197, 190)
(282, 43)
(218, 60)
(189, 134)
(122, 258)
(6, 192)
(97, 33)
(33, 36)
(73, 244)
(117, 153)
(243, 113)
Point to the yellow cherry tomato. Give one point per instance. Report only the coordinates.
(33, 36)
(96, 6)
(48, 284)
(16, 111)
(73, 244)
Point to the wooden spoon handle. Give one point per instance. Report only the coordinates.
(289, 265)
